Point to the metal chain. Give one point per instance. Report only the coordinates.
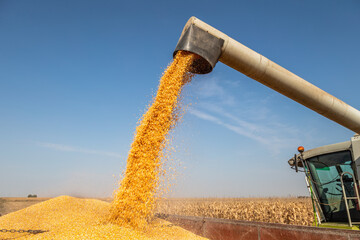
(21, 231)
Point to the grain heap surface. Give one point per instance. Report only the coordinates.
(73, 218)
(134, 201)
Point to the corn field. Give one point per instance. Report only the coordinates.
(295, 211)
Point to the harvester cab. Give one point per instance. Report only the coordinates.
(332, 177)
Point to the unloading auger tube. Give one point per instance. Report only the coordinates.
(212, 46)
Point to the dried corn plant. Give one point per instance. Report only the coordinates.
(295, 211)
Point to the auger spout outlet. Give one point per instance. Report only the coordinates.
(212, 46)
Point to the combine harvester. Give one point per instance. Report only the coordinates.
(331, 172)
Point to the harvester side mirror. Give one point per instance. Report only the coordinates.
(296, 163)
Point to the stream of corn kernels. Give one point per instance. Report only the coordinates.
(134, 201)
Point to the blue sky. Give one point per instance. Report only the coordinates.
(75, 77)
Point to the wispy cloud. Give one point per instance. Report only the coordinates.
(210, 88)
(245, 114)
(67, 148)
(273, 135)
(204, 116)
(241, 130)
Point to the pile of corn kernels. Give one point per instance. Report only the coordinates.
(73, 218)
